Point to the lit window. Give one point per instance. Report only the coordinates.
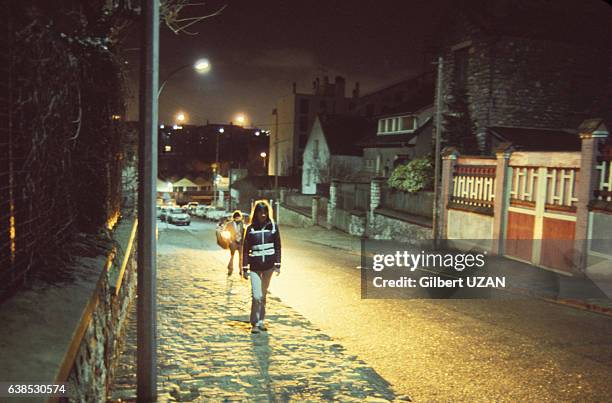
(168, 149)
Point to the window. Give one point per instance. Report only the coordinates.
(303, 123)
(461, 67)
(398, 124)
(304, 105)
(408, 123)
(315, 150)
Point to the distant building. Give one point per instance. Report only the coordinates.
(331, 151)
(180, 147)
(296, 113)
(527, 64)
(398, 137)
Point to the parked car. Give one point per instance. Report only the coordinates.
(159, 210)
(200, 211)
(215, 213)
(163, 215)
(178, 216)
(191, 207)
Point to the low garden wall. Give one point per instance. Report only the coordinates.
(70, 332)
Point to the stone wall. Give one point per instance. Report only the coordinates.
(100, 346)
(294, 217)
(352, 223)
(524, 82)
(397, 228)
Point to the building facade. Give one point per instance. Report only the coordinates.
(528, 64)
(296, 113)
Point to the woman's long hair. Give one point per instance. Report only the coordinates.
(261, 204)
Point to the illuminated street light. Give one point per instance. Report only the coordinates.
(201, 66)
(263, 154)
(221, 130)
(257, 133)
(181, 117)
(241, 119)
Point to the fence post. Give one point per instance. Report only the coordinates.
(449, 160)
(503, 154)
(331, 205)
(376, 186)
(315, 210)
(592, 132)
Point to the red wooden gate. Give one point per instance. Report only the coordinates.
(541, 217)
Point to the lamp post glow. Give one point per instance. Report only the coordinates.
(201, 66)
(263, 155)
(241, 119)
(181, 117)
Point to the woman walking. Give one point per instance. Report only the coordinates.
(261, 256)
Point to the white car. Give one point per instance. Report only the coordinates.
(215, 213)
(177, 216)
(200, 211)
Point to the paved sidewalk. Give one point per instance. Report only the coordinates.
(206, 351)
(524, 279)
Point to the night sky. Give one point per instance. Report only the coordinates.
(258, 48)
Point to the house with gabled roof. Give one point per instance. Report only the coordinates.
(332, 152)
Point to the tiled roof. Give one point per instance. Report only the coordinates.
(342, 132)
(531, 139)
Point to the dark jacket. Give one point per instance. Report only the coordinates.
(261, 249)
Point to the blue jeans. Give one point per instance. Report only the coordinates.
(260, 280)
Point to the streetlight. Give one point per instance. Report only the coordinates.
(263, 155)
(201, 66)
(221, 131)
(180, 117)
(241, 119)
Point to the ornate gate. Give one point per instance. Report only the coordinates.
(541, 216)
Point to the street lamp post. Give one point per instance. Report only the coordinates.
(201, 66)
(216, 170)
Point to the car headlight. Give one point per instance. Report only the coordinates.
(226, 234)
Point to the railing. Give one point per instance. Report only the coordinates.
(524, 185)
(473, 188)
(561, 187)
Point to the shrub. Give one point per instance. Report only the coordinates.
(413, 176)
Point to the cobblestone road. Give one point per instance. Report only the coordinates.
(206, 351)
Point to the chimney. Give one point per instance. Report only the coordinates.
(294, 87)
(340, 86)
(356, 90)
